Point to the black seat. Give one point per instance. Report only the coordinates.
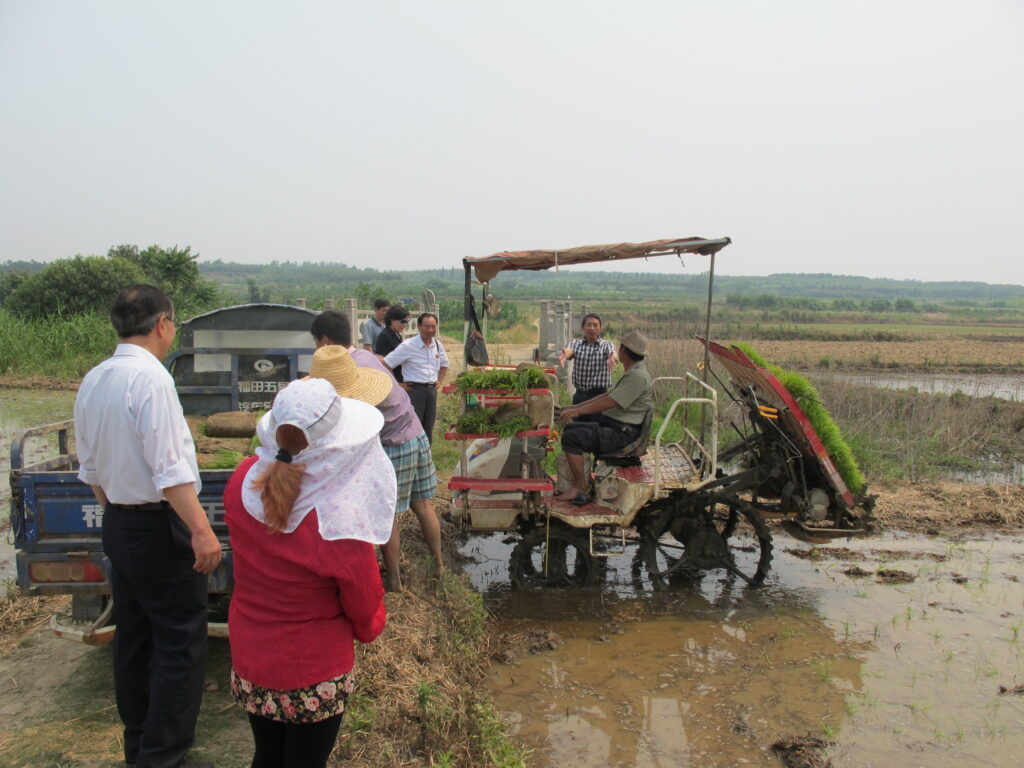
(631, 454)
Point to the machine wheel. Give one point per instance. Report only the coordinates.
(569, 562)
(704, 532)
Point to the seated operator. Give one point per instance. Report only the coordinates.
(619, 415)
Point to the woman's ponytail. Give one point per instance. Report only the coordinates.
(280, 483)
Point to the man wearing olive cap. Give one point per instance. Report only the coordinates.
(620, 414)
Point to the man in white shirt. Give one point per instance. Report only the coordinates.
(136, 453)
(374, 325)
(424, 366)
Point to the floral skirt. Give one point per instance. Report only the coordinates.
(296, 705)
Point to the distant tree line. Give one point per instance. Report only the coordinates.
(285, 281)
(83, 284)
(767, 301)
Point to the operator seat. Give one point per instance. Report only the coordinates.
(630, 455)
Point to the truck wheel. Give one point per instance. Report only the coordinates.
(559, 557)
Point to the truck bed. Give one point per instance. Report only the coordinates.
(56, 520)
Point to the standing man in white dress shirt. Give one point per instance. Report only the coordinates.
(136, 452)
(424, 366)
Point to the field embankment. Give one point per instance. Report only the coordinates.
(419, 700)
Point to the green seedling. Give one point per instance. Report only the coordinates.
(1015, 629)
(869, 699)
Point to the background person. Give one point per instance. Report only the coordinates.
(402, 437)
(374, 325)
(424, 365)
(395, 323)
(618, 415)
(303, 516)
(593, 358)
(136, 453)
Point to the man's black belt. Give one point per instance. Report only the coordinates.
(155, 506)
(422, 383)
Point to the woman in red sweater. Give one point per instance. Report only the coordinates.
(304, 516)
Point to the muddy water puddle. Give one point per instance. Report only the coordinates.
(892, 648)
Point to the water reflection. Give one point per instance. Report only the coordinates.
(1003, 387)
(706, 672)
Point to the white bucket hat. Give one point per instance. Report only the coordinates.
(348, 477)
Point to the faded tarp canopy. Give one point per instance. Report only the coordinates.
(487, 267)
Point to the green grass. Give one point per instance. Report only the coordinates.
(57, 347)
(225, 459)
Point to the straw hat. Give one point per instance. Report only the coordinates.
(335, 364)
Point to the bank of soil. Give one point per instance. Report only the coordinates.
(943, 507)
(420, 695)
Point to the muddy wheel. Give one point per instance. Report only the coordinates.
(706, 532)
(566, 552)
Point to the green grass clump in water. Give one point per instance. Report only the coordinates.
(517, 381)
(810, 402)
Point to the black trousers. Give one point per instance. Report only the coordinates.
(581, 396)
(160, 642)
(602, 435)
(424, 402)
(291, 745)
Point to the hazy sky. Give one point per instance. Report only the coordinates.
(881, 138)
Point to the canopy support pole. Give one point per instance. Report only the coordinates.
(706, 369)
(466, 311)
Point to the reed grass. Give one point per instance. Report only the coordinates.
(60, 347)
(903, 435)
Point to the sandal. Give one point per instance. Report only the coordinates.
(580, 500)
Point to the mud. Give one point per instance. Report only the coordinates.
(861, 671)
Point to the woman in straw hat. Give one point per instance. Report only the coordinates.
(404, 442)
(303, 516)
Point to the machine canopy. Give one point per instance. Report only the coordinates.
(488, 266)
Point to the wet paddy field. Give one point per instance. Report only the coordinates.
(886, 650)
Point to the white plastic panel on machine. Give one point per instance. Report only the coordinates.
(247, 340)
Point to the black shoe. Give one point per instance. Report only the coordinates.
(580, 500)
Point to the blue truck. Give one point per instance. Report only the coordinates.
(231, 359)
